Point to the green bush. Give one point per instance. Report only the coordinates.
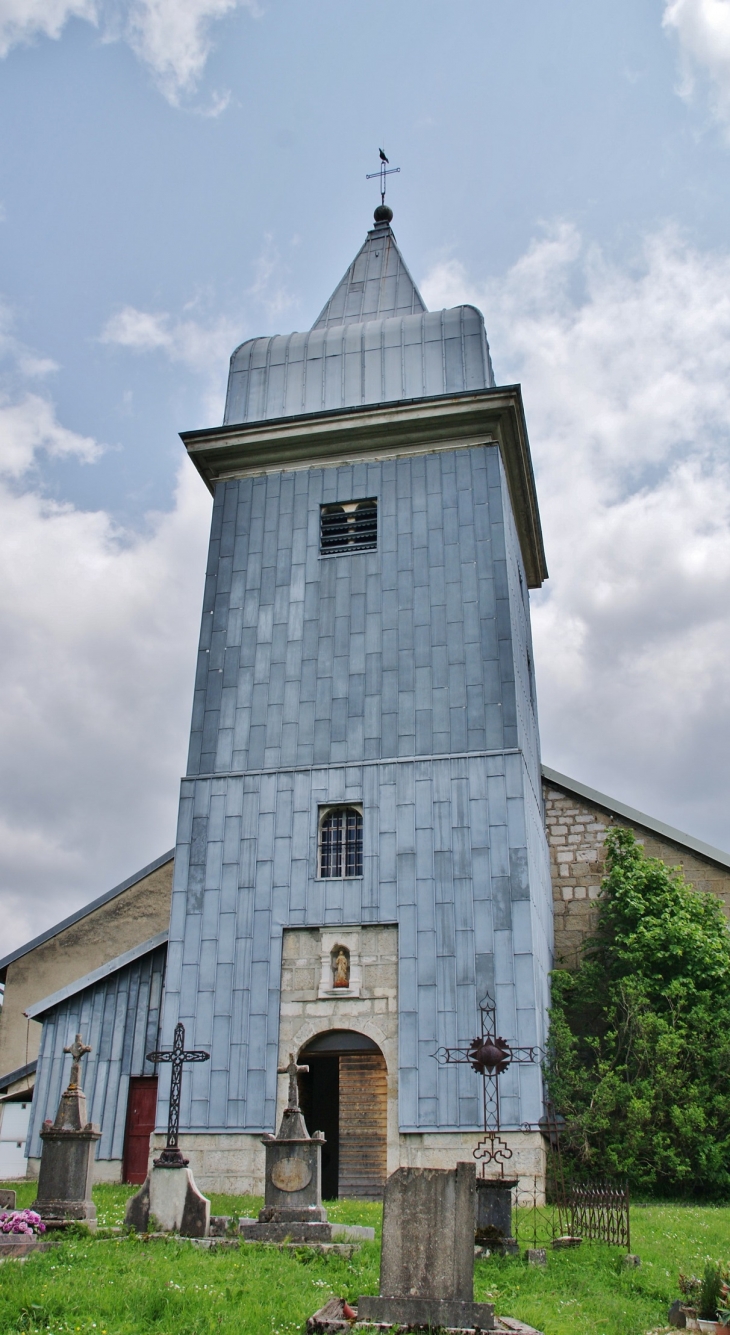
(639, 1058)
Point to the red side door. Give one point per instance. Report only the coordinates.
(141, 1110)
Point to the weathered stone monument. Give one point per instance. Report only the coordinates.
(67, 1157)
(169, 1200)
(427, 1258)
(494, 1215)
(293, 1209)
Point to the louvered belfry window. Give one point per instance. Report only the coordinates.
(340, 842)
(352, 527)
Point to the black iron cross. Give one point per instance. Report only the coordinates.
(383, 171)
(489, 1056)
(171, 1156)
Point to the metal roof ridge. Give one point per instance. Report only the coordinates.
(11, 1076)
(649, 822)
(88, 908)
(96, 975)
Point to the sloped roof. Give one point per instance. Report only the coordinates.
(377, 285)
(636, 817)
(373, 343)
(88, 908)
(95, 975)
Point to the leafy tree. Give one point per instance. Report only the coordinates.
(639, 1060)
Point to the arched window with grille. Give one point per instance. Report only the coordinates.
(340, 842)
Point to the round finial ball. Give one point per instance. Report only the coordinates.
(383, 214)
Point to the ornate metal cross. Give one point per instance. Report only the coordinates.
(171, 1156)
(383, 171)
(292, 1070)
(489, 1056)
(76, 1051)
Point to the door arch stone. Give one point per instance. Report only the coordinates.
(345, 1095)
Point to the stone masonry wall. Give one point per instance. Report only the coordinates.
(576, 830)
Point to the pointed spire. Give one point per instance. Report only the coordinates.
(377, 284)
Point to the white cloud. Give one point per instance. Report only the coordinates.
(703, 30)
(201, 347)
(22, 20)
(29, 426)
(205, 345)
(204, 348)
(627, 392)
(98, 626)
(172, 37)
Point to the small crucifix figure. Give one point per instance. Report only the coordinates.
(76, 1051)
(292, 1070)
(171, 1156)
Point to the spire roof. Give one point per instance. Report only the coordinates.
(374, 342)
(377, 284)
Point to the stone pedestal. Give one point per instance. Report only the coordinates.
(493, 1218)
(293, 1209)
(169, 1202)
(427, 1257)
(67, 1163)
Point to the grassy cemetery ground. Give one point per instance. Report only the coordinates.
(120, 1285)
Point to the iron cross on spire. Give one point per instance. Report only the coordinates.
(171, 1156)
(384, 170)
(490, 1056)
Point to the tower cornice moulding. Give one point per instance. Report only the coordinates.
(382, 431)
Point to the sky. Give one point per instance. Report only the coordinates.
(179, 175)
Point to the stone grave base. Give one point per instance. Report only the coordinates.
(284, 1226)
(171, 1198)
(443, 1314)
(331, 1320)
(24, 1246)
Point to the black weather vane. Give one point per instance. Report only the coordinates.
(384, 170)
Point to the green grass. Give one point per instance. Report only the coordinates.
(127, 1286)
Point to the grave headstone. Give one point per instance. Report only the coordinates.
(67, 1156)
(7, 1199)
(427, 1256)
(493, 1222)
(293, 1207)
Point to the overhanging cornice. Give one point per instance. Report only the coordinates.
(381, 431)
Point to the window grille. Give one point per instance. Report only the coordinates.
(349, 528)
(340, 843)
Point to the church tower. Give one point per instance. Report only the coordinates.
(360, 854)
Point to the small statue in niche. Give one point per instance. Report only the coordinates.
(341, 967)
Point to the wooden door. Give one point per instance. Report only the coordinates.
(141, 1112)
(363, 1156)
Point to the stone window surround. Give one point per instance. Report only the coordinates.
(323, 812)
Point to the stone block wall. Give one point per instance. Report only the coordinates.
(576, 830)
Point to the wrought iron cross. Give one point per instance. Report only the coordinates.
(292, 1070)
(171, 1156)
(383, 171)
(76, 1051)
(489, 1056)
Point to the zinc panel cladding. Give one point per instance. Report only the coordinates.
(384, 666)
(345, 366)
(120, 1018)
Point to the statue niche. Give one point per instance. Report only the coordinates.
(340, 967)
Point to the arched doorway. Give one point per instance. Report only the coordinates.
(345, 1095)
